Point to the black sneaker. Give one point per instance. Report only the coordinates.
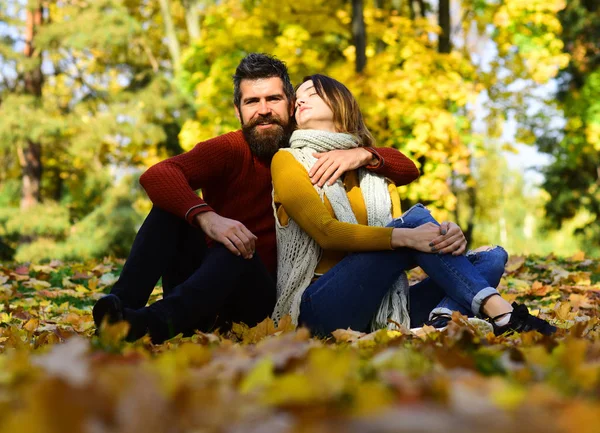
(439, 320)
(522, 321)
(109, 306)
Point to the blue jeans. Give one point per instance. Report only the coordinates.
(349, 294)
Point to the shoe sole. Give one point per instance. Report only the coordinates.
(481, 326)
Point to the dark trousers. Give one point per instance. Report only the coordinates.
(203, 287)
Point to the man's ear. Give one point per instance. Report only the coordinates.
(237, 113)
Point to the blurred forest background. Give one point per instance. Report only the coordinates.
(94, 91)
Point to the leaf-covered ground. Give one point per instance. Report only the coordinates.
(56, 376)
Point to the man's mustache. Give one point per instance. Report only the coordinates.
(264, 120)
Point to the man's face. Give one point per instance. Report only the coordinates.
(264, 113)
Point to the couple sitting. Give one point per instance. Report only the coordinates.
(313, 230)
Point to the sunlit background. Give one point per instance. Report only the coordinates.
(498, 103)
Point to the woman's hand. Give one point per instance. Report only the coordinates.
(451, 240)
(331, 165)
(418, 238)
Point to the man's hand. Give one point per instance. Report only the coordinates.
(331, 165)
(231, 233)
(451, 240)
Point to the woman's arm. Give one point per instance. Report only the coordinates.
(295, 192)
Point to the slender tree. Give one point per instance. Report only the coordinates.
(170, 33)
(444, 23)
(359, 35)
(30, 152)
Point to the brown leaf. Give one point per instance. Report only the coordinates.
(22, 270)
(81, 276)
(514, 264)
(347, 335)
(580, 301)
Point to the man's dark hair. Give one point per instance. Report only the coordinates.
(260, 65)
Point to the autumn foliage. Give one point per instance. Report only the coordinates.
(57, 376)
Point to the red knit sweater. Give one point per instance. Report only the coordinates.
(237, 185)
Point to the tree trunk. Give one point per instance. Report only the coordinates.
(171, 34)
(472, 195)
(422, 7)
(359, 34)
(30, 158)
(192, 18)
(444, 45)
(30, 154)
(411, 7)
(380, 45)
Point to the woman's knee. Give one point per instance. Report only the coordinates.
(495, 255)
(414, 217)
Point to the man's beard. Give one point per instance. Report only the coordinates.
(264, 143)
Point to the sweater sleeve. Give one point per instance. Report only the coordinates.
(394, 165)
(294, 191)
(171, 183)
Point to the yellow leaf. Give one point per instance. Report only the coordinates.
(286, 324)
(259, 377)
(93, 284)
(371, 397)
(36, 284)
(31, 325)
(113, 334)
(291, 388)
(81, 288)
(563, 311)
(508, 396)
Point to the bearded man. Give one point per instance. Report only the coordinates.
(216, 255)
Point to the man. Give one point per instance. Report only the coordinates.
(230, 278)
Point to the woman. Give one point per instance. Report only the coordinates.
(322, 286)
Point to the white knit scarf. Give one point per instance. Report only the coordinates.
(298, 254)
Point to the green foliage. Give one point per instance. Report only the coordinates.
(572, 178)
(48, 219)
(108, 230)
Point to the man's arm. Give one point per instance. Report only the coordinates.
(385, 161)
(170, 185)
(393, 164)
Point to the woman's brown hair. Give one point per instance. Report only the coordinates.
(347, 116)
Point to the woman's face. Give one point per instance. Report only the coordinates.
(311, 111)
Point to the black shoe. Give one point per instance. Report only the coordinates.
(138, 323)
(109, 306)
(439, 320)
(522, 321)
